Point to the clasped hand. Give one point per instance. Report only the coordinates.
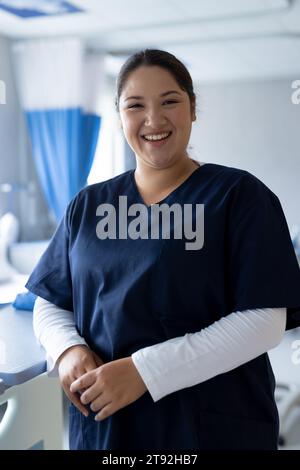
(110, 387)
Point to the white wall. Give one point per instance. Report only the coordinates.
(254, 126)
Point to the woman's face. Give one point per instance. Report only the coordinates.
(153, 106)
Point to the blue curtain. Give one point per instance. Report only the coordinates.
(63, 146)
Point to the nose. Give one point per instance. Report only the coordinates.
(155, 118)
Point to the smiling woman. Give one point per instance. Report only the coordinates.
(162, 347)
(157, 108)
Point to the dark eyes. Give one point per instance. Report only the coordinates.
(134, 106)
(137, 105)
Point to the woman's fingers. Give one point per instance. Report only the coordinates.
(90, 394)
(99, 403)
(74, 397)
(83, 382)
(74, 363)
(76, 366)
(105, 412)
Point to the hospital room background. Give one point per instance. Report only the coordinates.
(59, 131)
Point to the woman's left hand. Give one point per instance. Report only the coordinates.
(110, 387)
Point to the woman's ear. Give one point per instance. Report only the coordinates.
(193, 111)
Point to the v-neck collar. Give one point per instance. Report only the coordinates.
(178, 188)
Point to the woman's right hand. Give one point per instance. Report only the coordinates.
(72, 364)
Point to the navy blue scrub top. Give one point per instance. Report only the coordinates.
(128, 294)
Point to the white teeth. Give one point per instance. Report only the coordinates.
(157, 136)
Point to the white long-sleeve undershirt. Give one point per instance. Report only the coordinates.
(178, 362)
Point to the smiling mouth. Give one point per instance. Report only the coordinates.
(153, 140)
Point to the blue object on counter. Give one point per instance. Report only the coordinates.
(24, 301)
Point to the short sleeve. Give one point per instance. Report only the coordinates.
(51, 278)
(263, 270)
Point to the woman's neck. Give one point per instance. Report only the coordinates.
(155, 183)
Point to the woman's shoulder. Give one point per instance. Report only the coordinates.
(106, 185)
(235, 178)
(93, 193)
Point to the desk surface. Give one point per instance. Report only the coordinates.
(9, 289)
(21, 357)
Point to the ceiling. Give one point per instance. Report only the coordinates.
(217, 39)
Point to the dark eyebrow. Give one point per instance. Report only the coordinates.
(163, 94)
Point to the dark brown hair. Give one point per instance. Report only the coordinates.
(163, 59)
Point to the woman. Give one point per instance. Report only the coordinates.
(160, 342)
